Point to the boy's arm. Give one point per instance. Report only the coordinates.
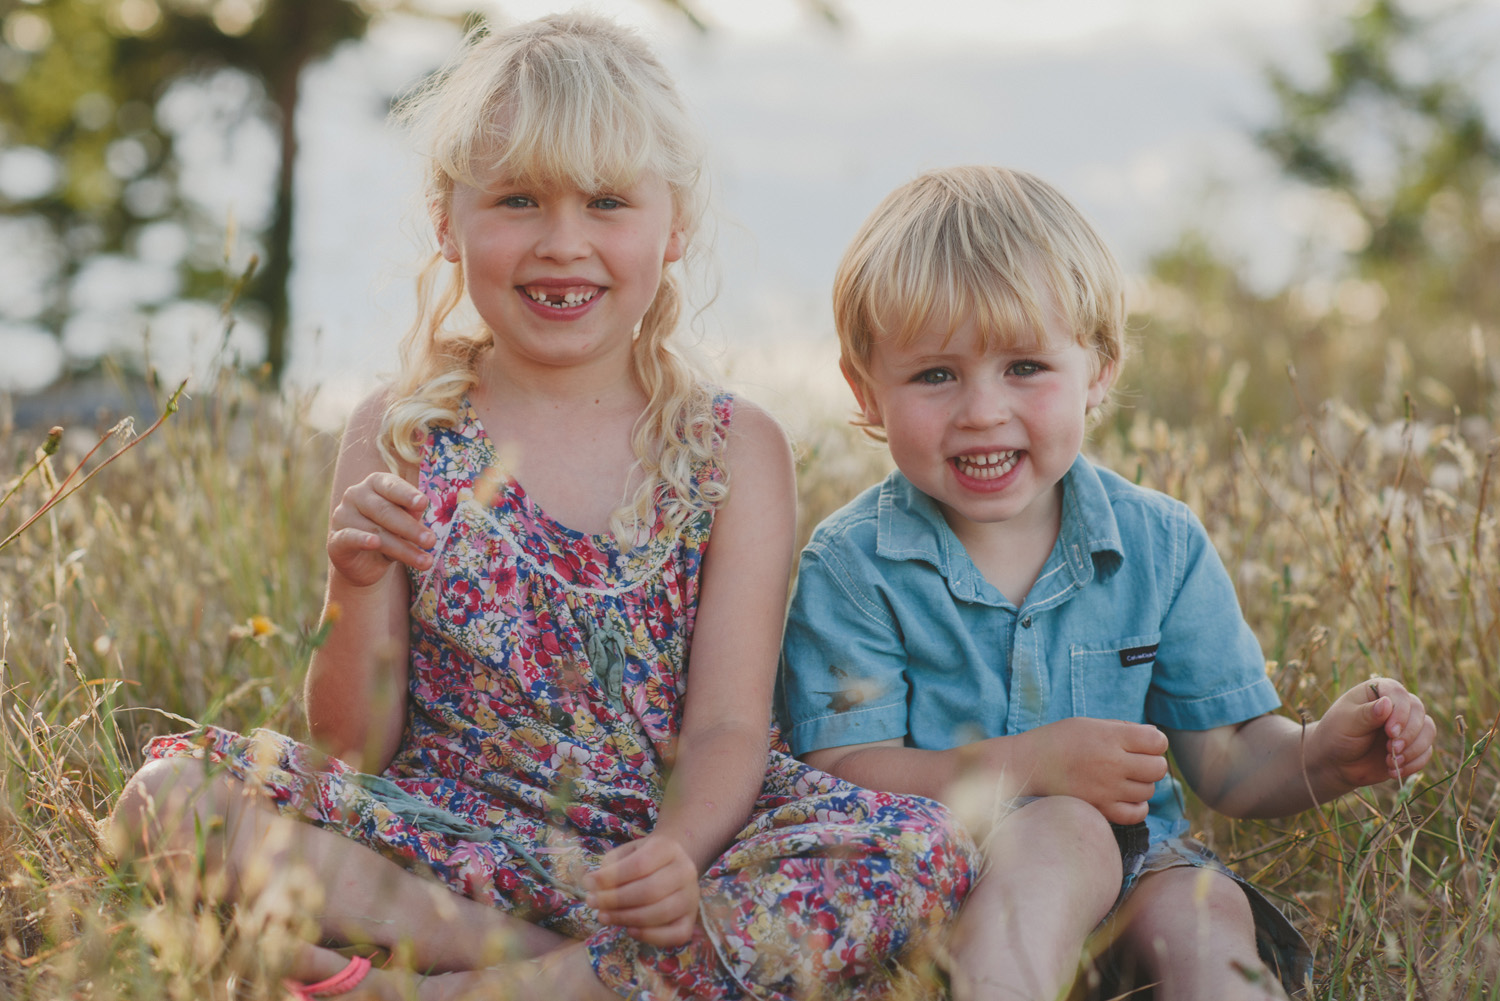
(1272, 766)
(1110, 764)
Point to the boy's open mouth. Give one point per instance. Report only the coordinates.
(986, 465)
(559, 298)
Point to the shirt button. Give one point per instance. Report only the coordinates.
(1026, 622)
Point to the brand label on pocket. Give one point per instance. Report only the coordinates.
(1138, 655)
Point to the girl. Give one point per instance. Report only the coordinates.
(509, 707)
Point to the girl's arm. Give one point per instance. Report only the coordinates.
(1272, 766)
(651, 885)
(356, 682)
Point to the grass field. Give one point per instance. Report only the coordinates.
(184, 582)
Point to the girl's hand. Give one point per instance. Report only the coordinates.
(1108, 763)
(375, 524)
(1373, 732)
(651, 887)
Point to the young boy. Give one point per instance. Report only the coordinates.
(1002, 614)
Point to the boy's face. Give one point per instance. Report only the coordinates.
(986, 433)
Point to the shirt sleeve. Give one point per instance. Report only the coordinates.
(1210, 670)
(843, 665)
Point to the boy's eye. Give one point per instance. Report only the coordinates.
(1025, 368)
(933, 376)
(517, 201)
(606, 202)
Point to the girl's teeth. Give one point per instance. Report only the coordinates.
(986, 465)
(563, 301)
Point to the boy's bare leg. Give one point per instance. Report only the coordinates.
(256, 854)
(1052, 872)
(1192, 931)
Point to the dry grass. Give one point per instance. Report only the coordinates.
(185, 579)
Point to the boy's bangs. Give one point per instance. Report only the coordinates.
(1009, 308)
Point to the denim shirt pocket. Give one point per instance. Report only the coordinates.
(1110, 678)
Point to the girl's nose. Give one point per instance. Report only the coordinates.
(563, 239)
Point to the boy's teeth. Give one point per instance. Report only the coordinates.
(560, 300)
(986, 465)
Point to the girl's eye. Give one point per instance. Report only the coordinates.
(1026, 368)
(933, 376)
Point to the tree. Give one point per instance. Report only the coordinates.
(82, 81)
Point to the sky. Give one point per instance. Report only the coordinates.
(1140, 110)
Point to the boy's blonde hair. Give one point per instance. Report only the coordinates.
(998, 245)
(566, 100)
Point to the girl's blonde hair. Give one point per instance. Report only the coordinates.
(999, 246)
(566, 100)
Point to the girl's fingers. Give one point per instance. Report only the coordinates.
(676, 933)
(644, 890)
(654, 914)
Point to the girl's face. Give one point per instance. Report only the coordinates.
(561, 276)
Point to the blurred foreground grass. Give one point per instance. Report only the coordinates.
(185, 582)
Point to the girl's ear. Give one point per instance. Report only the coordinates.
(869, 407)
(442, 224)
(676, 244)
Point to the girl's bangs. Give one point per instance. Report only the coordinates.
(589, 149)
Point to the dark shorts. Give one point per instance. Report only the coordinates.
(1281, 947)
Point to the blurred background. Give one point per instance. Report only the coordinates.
(1292, 181)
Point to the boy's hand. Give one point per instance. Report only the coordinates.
(1109, 763)
(375, 524)
(651, 887)
(1373, 732)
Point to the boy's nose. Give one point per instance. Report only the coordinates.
(984, 407)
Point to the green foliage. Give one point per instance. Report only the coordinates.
(1394, 143)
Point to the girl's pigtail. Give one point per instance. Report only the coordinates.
(438, 368)
(678, 436)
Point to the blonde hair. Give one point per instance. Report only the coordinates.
(565, 100)
(999, 246)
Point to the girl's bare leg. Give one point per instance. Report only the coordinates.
(365, 898)
(1052, 872)
(1192, 931)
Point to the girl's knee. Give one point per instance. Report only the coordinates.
(159, 802)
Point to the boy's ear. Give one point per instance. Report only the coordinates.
(1099, 388)
(869, 407)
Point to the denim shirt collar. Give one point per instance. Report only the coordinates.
(909, 526)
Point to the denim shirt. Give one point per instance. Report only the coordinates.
(894, 633)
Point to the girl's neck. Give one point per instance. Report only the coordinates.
(565, 436)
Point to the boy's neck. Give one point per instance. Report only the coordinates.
(1011, 554)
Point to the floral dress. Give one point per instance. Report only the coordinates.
(547, 675)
